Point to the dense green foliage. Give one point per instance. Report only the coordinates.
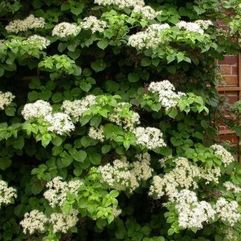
(102, 82)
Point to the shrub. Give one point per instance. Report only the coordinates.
(107, 121)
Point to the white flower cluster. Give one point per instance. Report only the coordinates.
(97, 133)
(62, 223)
(58, 190)
(65, 29)
(204, 24)
(28, 23)
(93, 24)
(149, 137)
(121, 3)
(59, 123)
(146, 11)
(7, 194)
(38, 109)
(36, 222)
(167, 96)
(222, 153)
(125, 176)
(183, 176)
(190, 26)
(191, 212)
(227, 211)
(77, 108)
(232, 187)
(33, 222)
(42, 42)
(122, 116)
(6, 99)
(151, 38)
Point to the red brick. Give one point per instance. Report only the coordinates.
(226, 69)
(234, 70)
(230, 59)
(229, 137)
(231, 79)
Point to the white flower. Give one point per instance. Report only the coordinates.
(190, 26)
(204, 23)
(7, 194)
(123, 116)
(42, 41)
(38, 109)
(184, 176)
(63, 222)
(149, 137)
(222, 153)
(58, 190)
(147, 11)
(151, 38)
(120, 3)
(77, 108)
(33, 222)
(93, 24)
(227, 211)
(232, 187)
(97, 133)
(28, 23)
(65, 29)
(191, 212)
(6, 99)
(125, 176)
(60, 123)
(167, 96)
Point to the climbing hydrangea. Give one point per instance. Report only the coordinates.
(123, 175)
(63, 222)
(221, 152)
(7, 194)
(29, 23)
(192, 214)
(120, 3)
(184, 176)
(227, 211)
(65, 29)
(167, 96)
(77, 108)
(149, 137)
(6, 99)
(58, 190)
(33, 222)
(93, 24)
(97, 133)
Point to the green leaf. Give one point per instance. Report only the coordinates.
(105, 149)
(102, 44)
(98, 65)
(133, 77)
(94, 157)
(46, 139)
(78, 156)
(5, 162)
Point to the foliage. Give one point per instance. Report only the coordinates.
(107, 114)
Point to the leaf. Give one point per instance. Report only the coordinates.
(5, 162)
(94, 157)
(98, 65)
(133, 77)
(57, 140)
(78, 155)
(105, 149)
(46, 139)
(102, 44)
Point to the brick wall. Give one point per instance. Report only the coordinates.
(230, 89)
